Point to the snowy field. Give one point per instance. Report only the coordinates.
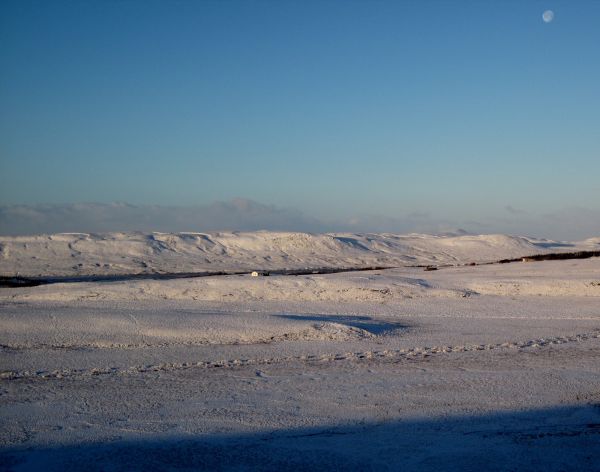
(468, 367)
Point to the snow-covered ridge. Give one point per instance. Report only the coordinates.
(126, 253)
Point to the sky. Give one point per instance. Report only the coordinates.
(405, 115)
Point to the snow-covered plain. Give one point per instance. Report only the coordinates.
(487, 367)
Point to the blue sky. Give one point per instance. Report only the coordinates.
(454, 109)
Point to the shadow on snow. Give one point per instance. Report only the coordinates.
(562, 438)
(372, 325)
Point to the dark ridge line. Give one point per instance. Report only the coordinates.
(20, 281)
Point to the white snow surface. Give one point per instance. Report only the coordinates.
(126, 253)
(488, 367)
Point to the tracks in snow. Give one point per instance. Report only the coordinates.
(415, 353)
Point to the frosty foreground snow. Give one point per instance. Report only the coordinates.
(492, 367)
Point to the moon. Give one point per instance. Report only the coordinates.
(548, 16)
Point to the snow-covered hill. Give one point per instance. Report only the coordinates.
(126, 253)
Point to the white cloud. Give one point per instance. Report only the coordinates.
(513, 210)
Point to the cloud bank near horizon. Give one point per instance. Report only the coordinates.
(238, 214)
(247, 215)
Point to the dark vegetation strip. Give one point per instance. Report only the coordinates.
(554, 256)
(20, 281)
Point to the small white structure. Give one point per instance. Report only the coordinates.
(254, 274)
